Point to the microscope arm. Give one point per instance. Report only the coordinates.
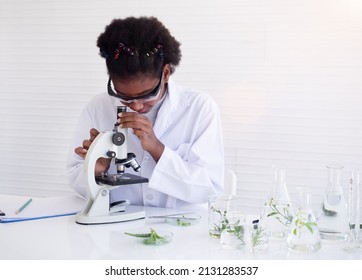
(101, 147)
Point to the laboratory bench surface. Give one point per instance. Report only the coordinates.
(61, 238)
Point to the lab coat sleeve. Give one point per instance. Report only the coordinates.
(75, 175)
(75, 163)
(194, 170)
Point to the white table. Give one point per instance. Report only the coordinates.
(63, 239)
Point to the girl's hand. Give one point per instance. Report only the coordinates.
(102, 164)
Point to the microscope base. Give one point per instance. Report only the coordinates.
(131, 213)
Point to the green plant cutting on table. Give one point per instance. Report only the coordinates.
(151, 238)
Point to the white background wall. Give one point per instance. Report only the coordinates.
(285, 73)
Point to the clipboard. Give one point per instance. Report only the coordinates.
(39, 208)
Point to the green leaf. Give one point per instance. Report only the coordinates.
(183, 223)
(151, 238)
(307, 225)
(141, 235)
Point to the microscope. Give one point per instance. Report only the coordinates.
(98, 209)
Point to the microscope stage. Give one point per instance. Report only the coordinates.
(117, 179)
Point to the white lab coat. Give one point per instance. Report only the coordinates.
(192, 165)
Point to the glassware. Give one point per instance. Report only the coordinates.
(304, 235)
(332, 219)
(233, 236)
(224, 213)
(257, 240)
(277, 215)
(354, 242)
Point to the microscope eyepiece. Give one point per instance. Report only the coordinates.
(121, 109)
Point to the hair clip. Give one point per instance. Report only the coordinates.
(104, 53)
(134, 52)
(159, 49)
(116, 54)
(122, 47)
(129, 51)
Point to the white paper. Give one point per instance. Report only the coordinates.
(40, 207)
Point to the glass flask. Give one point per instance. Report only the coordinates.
(354, 242)
(304, 235)
(277, 215)
(332, 218)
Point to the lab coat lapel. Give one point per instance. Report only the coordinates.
(164, 117)
(165, 114)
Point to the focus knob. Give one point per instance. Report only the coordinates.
(111, 154)
(118, 138)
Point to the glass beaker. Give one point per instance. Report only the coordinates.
(332, 218)
(224, 213)
(233, 236)
(277, 215)
(354, 242)
(304, 235)
(257, 240)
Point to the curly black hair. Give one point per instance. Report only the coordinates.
(138, 46)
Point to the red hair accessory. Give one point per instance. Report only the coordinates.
(116, 54)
